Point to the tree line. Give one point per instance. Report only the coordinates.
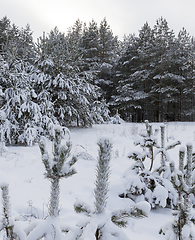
(88, 74)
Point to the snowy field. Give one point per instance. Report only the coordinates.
(23, 170)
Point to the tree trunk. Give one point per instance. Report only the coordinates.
(54, 197)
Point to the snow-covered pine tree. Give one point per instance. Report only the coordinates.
(7, 223)
(148, 142)
(129, 92)
(5, 27)
(108, 43)
(108, 54)
(185, 57)
(101, 224)
(30, 117)
(100, 112)
(12, 230)
(153, 78)
(90, 47)
(56, 168)
(103, 171)
(181, 228)
(70, 90)
(16, 87)
(144, 184)
(45, 103)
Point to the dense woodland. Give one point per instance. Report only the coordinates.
(87, 75)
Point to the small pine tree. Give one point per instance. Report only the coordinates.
(7, 221)
(103, 171)
(152, 185)
(56, 168)
(100, 226)
(181, 227)
(12, 231)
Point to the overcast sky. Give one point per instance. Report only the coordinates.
(124, 16)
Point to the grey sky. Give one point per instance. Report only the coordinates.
(124, 16)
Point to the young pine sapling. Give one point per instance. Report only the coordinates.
(56, 168)
(142, 183)
(11, 228)
(100, 225)
(181, 227)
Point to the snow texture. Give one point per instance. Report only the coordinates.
(23, 170)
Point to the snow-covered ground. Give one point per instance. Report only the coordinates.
(23, 170)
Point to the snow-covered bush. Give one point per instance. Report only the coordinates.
(116, 119)
(56, 168)
(100, 223)
(100, 112)
(145, 184)
(184, 217)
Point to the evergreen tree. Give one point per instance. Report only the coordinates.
(57, 168)
(143, 182)
(16, 87)
(70, 91)
(108, 49)
(181, 227)
(185, 62)
(12, 230)
(5, 26)
(90, 47)
(100, 226)
(108, 43)
(126, 97)
(103, 171)
(154, 75)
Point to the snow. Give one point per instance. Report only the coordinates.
(144, 206)
(161, 195)
(23, 170)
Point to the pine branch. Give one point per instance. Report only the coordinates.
(82, 208)
(121, 217)
(171, 146)
(73, 161)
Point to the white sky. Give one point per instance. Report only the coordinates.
(124, 16)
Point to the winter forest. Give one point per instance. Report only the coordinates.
(105, 126)
(87, 75)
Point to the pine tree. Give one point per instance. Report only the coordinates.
(90, 47)
(154, 75)
(16, 87)
(70, 90)
(108, 43)
(56, 169)
(108, 49)
(129, 93)
(5, 26)
(12, 230)
(103, 171)
(7, 223)
(100, 225)
(30, 117)
(146, 183)
(181, 227)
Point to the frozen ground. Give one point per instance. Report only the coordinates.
(23, 169)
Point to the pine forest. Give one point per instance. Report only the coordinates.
(87, 76)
